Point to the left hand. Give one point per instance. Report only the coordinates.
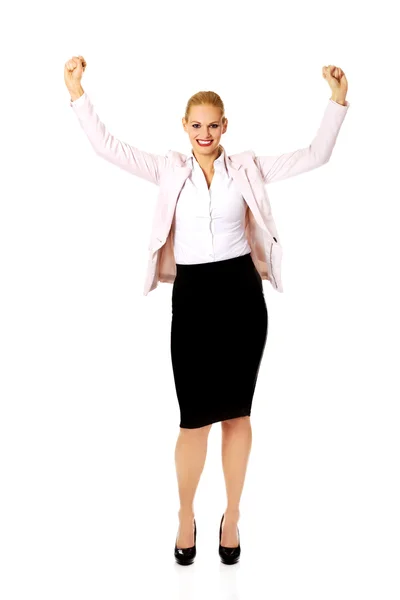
(336, 79)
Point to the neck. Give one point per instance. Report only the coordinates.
(207, 162)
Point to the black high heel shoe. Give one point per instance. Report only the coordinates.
(229, 556)
(185, 556)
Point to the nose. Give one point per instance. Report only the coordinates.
(205, 136)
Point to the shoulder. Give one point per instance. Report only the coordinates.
(176, 158)
(243, 156)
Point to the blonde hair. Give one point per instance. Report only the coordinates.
(205, 98)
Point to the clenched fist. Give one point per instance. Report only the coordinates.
(73, 71)
(336, 79)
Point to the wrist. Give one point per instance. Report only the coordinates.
(339, 99)
(76, 92)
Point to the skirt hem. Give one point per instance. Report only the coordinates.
(216, 420)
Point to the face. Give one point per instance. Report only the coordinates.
(205, 123)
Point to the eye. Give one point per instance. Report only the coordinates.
(196, 125)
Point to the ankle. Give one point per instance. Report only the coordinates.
(232, 514)
(185, 514)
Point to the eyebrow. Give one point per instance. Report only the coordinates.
(209, 123)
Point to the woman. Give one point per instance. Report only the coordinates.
(214, 238)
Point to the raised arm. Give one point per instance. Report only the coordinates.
(282, 166)
(142, 164)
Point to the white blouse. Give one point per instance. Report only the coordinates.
(209, 224)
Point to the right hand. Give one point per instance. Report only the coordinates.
(73, 71)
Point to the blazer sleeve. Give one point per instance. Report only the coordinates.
(282, 166)
(143, 164)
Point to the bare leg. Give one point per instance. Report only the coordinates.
(190, 456)
(236, 446)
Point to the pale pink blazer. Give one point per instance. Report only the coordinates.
(250, 173)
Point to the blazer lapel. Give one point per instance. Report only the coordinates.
(242, 179)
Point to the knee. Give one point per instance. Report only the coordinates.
(235, 423)
(196, 431)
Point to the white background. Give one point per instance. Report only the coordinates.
(89, 415)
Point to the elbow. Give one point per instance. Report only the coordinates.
(321, 159)
(325, 160)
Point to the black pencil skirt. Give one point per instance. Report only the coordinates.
(218, 334)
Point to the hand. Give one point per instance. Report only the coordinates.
(73, 71)
(336, 79)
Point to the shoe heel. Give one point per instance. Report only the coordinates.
(229, 556)
(186, 556)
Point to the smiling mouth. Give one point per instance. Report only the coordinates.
(204, 142)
